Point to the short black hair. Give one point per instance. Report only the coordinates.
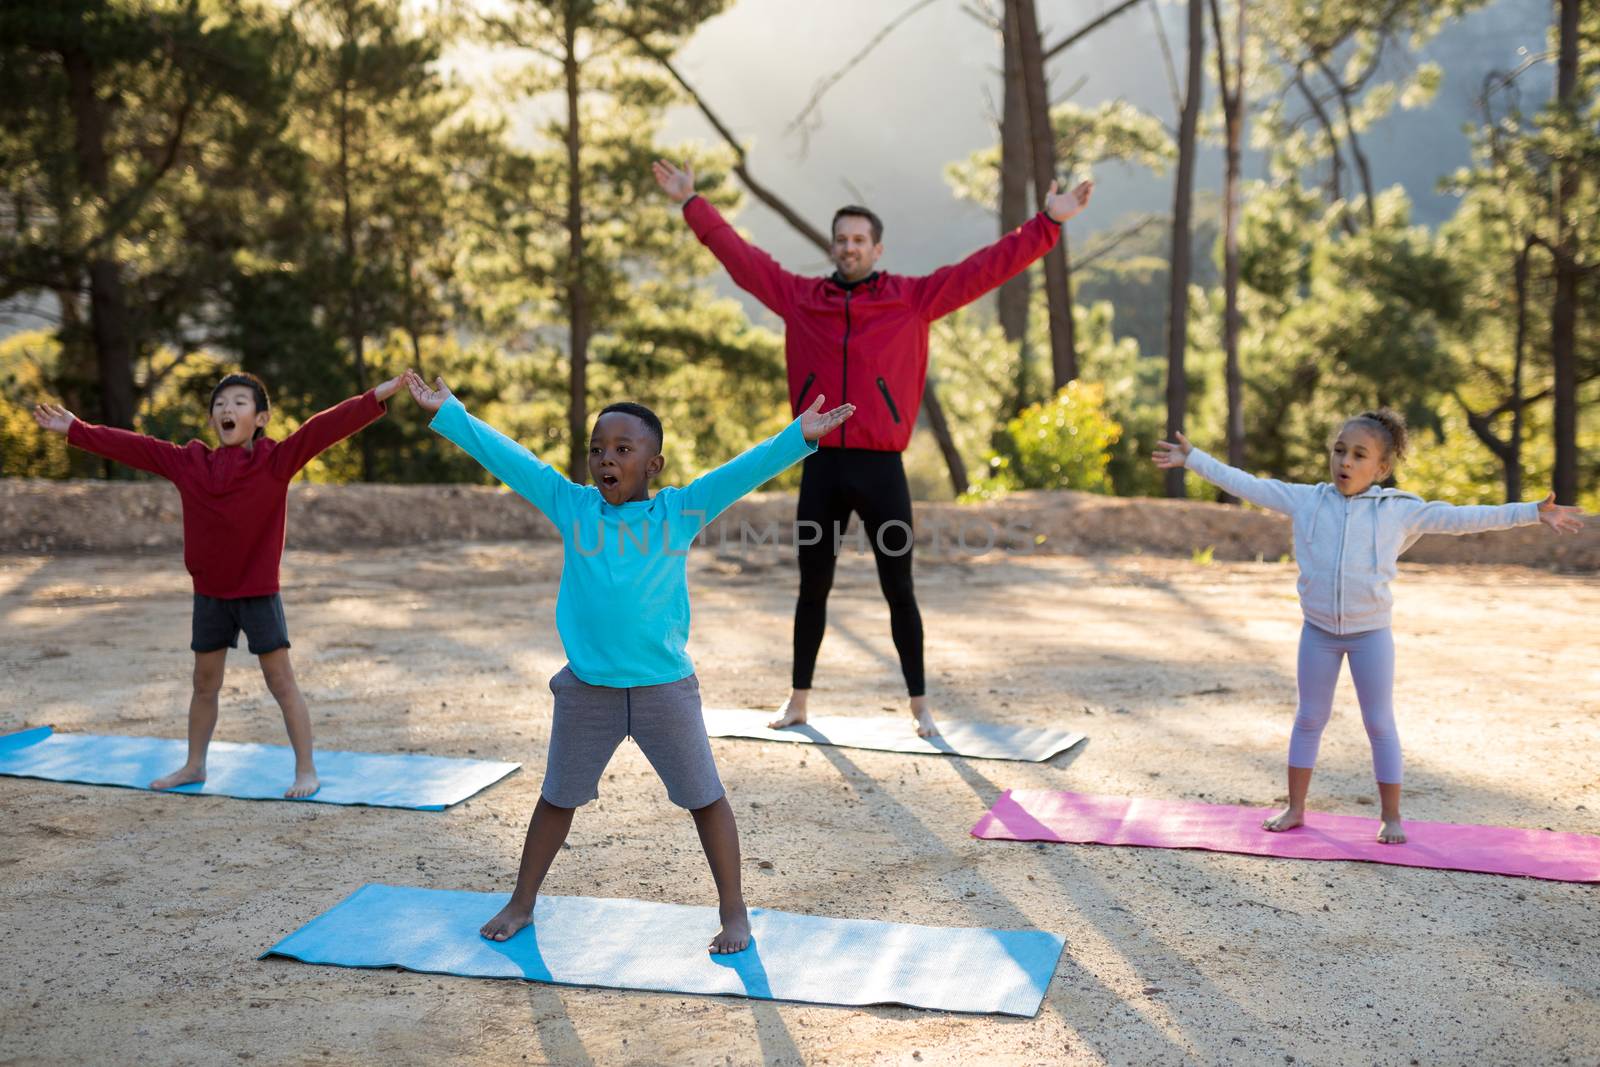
(861, 213)
(640, 412)
(250, 382)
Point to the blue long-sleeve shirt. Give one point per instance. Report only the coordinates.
(623, 607)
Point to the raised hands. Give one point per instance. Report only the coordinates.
(1062, 206)
(429, 400)
(1561, 518)
(384, 390)
(1169, 456)
(816, 423)
(677, 184)
(53, 417)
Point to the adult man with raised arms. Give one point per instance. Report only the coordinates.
(861, 335)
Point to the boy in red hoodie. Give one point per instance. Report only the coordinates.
(235, 500)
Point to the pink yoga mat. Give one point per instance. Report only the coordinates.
(1081, 818)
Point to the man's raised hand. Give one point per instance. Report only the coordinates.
(816, 423)
(677, 184)
(1062, 206)
(53, 417)
(429, 400)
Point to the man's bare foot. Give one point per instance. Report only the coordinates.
(305, 783)
(1390, 832)
(735, 933)
(507, 921)
(793, 713)
(184, 775)
(1287, 819)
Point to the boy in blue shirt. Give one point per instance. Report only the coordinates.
(623, 616)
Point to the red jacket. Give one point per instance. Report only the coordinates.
(235, 500)
(865, 343)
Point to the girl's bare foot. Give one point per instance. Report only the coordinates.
(305, 783)
(1287, 819)
(1390, 832)
(735, 933)
(184, 775)
(793, 713)
(924, 717)
(507, 921)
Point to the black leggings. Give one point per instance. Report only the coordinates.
(833, 483)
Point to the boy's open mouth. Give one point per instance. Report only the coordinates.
(610, 481)
(227, 423)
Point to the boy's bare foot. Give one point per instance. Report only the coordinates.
(735, 933)
(305, 783)
(184, 775)
(1390, 832)
(1287, 819)
(793, 713)
(507, 921)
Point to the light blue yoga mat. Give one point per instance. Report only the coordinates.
(250, 772)
(635, 944)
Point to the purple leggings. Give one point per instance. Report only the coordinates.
(1372, 669)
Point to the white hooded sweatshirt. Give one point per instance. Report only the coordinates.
(1348, 547)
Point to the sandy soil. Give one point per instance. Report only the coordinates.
(133, 920)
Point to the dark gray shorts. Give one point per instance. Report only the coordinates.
(664, 720)
(217, 623)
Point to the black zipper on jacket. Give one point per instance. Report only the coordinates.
(804, 389)
(845, 386)
(883, 387)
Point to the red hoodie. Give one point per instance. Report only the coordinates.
(235, 500)
(866, 342)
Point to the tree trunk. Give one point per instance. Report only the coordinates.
(1057, 276)
(1182, 204)
(1513, 458)
(108, 304)
(1232, 89)
(1564, 312)
(355, 326)
(577, 285)
(1013, 297)
(941, 433)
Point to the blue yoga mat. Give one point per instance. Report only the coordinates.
(250, 772)
(634, 944)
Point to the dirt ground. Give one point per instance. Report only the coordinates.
(133, 921)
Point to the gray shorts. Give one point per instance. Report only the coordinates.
(216, 623)
(664, 720)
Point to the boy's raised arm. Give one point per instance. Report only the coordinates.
(522, 472)
(327, 428)
(959, 284)
(750, 268)
(711, 494)
(124, 446)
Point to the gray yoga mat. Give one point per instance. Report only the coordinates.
(894, 733)
(635, 944)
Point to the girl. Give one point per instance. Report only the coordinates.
(1348, 535)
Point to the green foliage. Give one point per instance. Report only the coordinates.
(1062, 443)
(1113, 132)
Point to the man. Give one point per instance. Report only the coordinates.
(861, 336)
